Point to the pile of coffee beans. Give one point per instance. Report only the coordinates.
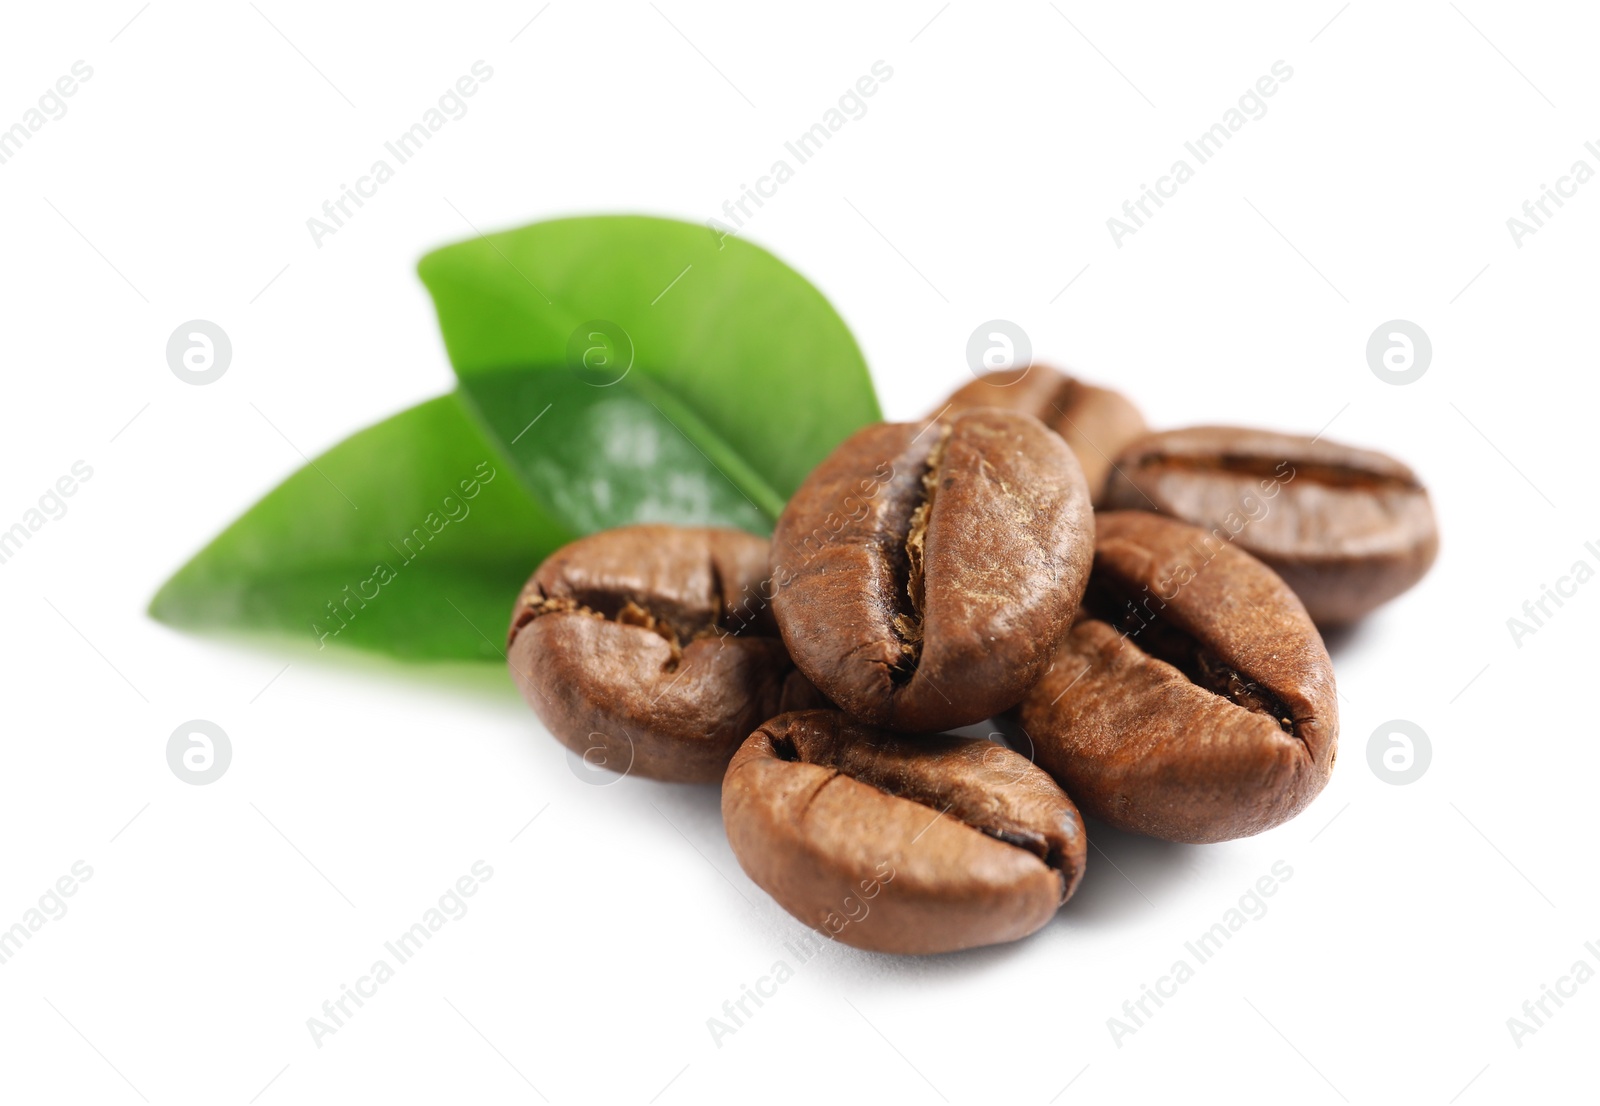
(1138, 611)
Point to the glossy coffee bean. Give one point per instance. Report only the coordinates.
(650, 650)
(926, 571)
(1193, 700)
(1347, 529)
(1097, 423)
(900, 844)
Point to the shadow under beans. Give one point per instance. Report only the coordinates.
(1347, 637)
(1124, 872)
(1127, 874)
(854, 964)
(485, 681)
(686, 804)
(695, 810)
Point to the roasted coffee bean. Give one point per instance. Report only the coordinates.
(1096, 422)
(924, 572)
(651, 650)
(1193, 700)
(900, 844)
(1347, 529)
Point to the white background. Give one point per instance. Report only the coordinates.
(219, 919)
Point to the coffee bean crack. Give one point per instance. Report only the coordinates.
(865, 764)
(1114, 603)
(1352, 477)
(911, 583)
(626, 611)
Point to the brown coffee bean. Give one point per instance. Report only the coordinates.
(1347, 529)
(1096, 422)
(900, 844)
(1193, 700)
(650, 650)
(926, 571)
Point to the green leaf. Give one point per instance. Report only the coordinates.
(411, 537)
(706, 380)
(631, 452)
(740, 377)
